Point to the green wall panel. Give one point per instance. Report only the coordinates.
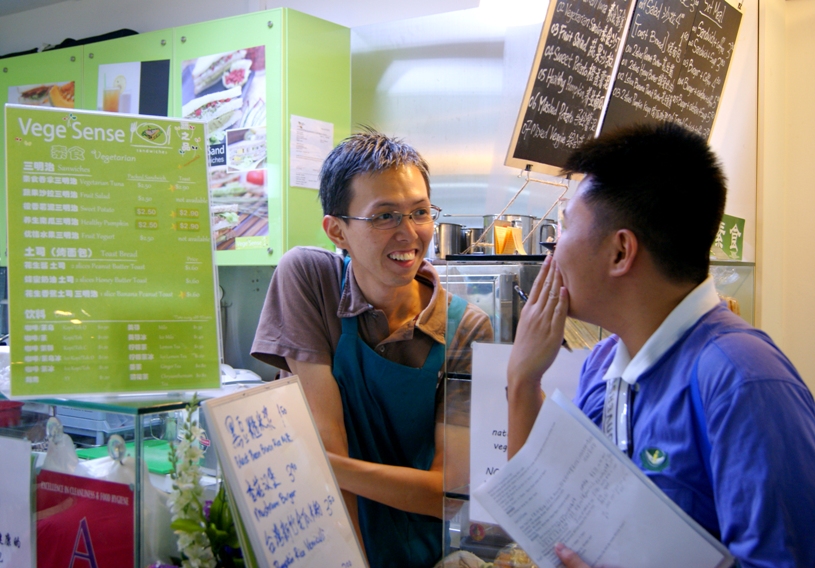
(47, 69)
(318, 75)
(149, 47)
(307, 73)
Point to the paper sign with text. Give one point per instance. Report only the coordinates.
(111, 280)
(488, 412)
(275, 466)
(83, 522)
(15, 503)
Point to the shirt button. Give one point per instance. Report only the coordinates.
(381, 348)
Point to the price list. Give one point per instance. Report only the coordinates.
(111, 280)
(567, 90)
(674, 64)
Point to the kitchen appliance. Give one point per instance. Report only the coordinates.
(469, 237)
(446, 240)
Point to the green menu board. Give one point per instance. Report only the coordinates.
(111, 279)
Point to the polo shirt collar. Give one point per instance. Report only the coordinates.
(432, 320)
(697, 303)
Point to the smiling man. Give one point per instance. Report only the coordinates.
(705, 405)
(368, 333)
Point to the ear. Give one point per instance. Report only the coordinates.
(335, 230)
(625, 248)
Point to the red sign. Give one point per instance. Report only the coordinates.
(83, 523)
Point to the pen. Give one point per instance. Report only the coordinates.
(525, 298)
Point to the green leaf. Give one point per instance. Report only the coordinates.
(185, 525)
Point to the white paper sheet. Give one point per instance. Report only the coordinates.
(310, 143)
(15, 503)
(488, 410)
(569, 484)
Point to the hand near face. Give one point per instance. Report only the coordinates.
(540, 329)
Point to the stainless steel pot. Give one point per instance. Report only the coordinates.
(446, 240)
(469, 236)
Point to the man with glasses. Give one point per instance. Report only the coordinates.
(367, 334)
(705, 405)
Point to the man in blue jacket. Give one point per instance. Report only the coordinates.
(707, 406)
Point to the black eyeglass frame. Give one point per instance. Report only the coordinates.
(399, 216)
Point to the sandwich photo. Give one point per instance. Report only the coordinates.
(219, 110)
(224, 218)
(209, 70)
(34, 95)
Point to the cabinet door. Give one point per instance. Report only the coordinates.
(130, 75)
(229, 74)
(51, 78)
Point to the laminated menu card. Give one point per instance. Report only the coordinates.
(111, 280)
(275, 467)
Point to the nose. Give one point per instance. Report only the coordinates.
(407, 228)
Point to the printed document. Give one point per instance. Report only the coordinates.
(570, 484)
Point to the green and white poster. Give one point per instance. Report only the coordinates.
(111, 279)
(729, 239)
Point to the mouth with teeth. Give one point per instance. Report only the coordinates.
(403, 257)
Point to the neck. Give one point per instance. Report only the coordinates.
(643, 308)
(401, 304)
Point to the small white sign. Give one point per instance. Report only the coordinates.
(15, 503)
(489, 408)
(310, 143)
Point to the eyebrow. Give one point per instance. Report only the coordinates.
(395, 205)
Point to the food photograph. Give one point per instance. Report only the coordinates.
(57, 95)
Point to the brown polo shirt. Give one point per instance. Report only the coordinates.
(304, 304)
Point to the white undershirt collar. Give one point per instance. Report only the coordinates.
(697, 303)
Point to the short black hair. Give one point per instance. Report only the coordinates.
(664, 184)
(366, 152)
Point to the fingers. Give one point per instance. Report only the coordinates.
(552, 290)
(537, 286)
(569, 557)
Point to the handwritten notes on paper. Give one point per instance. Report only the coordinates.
(566, 93)
(674, 64)
(15, 503)
(569, 484)
(277, 470)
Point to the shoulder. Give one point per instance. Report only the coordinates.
(310, 264)
(735, 359)
(310, 258)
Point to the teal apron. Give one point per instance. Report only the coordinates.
(390, 418)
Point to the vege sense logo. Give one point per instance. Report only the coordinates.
(654, 459)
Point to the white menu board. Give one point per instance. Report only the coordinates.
(275, 465)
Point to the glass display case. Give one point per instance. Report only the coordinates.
(86, 511)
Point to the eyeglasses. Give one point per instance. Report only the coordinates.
(420, 216)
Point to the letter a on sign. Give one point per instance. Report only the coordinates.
(83, 548)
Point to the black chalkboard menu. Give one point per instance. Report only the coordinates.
(674, 64)
(567, 90)
(668, 60)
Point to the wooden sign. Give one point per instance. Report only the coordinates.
(276, 469)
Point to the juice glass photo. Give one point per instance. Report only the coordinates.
(110, 100)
